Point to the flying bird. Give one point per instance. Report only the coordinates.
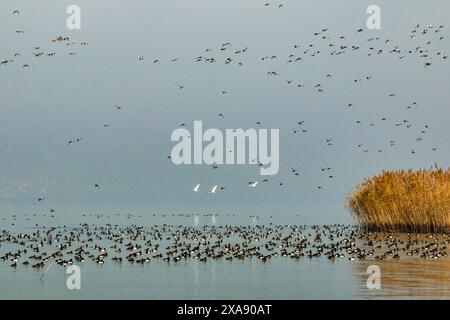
(214, 189)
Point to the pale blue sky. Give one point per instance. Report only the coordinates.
(63, 97)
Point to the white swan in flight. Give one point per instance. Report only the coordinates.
(195, 189)
(214, 189)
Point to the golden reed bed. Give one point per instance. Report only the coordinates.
(412, 201)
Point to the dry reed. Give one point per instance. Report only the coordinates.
(411, 201)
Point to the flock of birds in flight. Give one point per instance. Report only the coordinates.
(323, 44)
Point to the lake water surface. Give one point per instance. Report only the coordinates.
(410, 277)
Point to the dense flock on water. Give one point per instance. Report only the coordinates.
(166, 243)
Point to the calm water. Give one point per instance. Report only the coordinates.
(281, 278)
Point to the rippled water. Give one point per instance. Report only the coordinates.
(281, 278)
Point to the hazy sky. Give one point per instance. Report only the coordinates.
(66, 96)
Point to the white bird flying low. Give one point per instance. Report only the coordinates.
(252, 184)
(214, 189)
(195, 189)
